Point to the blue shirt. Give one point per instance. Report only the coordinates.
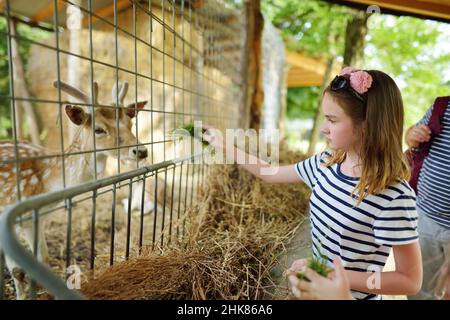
(433, 197)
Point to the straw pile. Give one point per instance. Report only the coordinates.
(237, 228)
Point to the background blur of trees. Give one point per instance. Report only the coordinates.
(413, 51)
(24, 48)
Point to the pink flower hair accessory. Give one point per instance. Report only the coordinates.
(360, 80)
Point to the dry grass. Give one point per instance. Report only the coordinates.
(237, 228)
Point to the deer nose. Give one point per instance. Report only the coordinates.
(140, 152)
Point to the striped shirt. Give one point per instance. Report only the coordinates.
(433, 197)
(362, 236)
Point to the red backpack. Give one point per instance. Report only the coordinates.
(416, 158)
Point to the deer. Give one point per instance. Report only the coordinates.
(38, 174)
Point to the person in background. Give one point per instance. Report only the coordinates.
(433, 199)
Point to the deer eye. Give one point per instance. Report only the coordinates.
(99, 130)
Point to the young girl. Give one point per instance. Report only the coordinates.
(361, 206)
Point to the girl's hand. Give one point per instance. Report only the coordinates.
(336, 287)
(417, 135)
(213, 136)
(298, 265)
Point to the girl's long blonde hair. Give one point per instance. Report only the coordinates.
(380, 122)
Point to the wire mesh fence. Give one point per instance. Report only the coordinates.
(98, 86)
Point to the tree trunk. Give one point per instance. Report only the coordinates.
(315, 132)
(251, 66)
(24, 108)
(356, 32)
(355, 38)
(333, 39)
(74, 24)
(283, 110)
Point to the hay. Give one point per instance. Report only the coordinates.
(237, 228)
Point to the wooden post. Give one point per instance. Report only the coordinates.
(353, 56)
(253, 95)
(315, 132)
(333, 39)
(283, 110)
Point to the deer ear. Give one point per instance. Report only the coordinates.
(76, 114)
(131, 110)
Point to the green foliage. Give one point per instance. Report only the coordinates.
(189, 127)
(24, 31)
(413, 51)
(319, 265)
(416, 54)
(5, 118)
(302, 102)
(306, 25)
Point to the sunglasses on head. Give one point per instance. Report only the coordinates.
(341, 83)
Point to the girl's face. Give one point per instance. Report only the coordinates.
(338, 127)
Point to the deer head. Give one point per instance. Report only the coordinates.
(112, 128)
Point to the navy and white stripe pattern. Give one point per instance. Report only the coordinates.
(362, 236)
(434, 180)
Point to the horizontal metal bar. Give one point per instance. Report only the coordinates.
(36, 100)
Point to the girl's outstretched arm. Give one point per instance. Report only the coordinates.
(258, 167)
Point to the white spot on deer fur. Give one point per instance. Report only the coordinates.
(4, 175)
(46, 174)
(7, 145)
(27, 145)
(27, 172)
(33, 180)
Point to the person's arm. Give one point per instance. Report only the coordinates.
(265, 171)
(419, 132)
(258, 167)
(405, 280)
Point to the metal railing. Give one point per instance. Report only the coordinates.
(45, 276)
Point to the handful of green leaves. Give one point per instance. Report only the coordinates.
(190, 128)
(319, 265)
